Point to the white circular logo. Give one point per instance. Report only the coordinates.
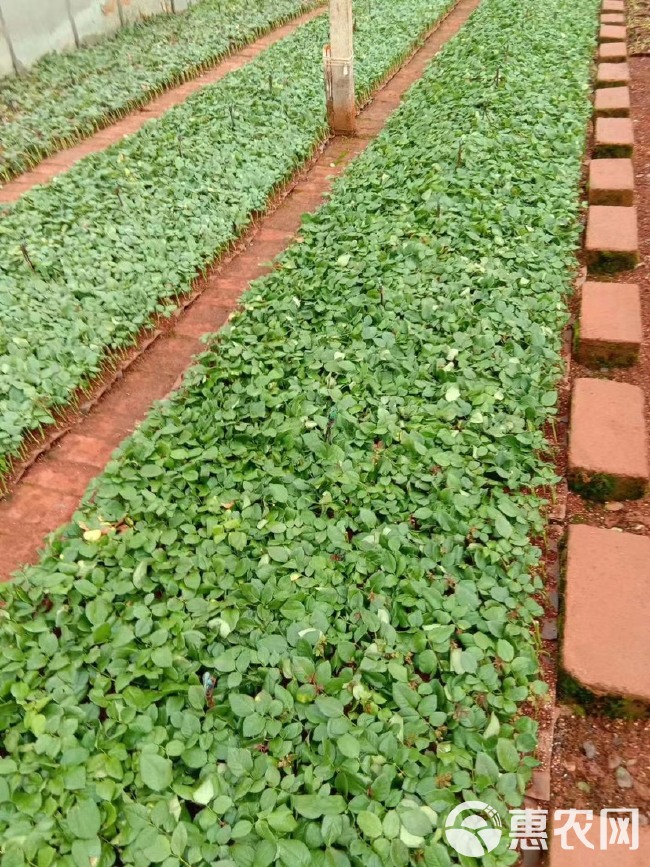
(476, 834)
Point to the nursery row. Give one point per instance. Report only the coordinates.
(86, 260)
(294, 623)
(69, 96)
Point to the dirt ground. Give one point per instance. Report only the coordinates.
(600, 762)
(638, 26)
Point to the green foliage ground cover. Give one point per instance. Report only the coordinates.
(66, 97)
(292, 625)
(86, 260)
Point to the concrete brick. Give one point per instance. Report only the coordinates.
(611, 240)
(610, 329)
(611, 182)
(612, 101)
(36, 28)
(606, 640)
(612, 33)
(614, 52)
(612, 18)
(607, 440)
(614, 137)
(612, 74)
(94, 19)
(613, 6)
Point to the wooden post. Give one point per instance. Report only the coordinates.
(339, 70)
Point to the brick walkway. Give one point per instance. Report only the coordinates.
(50, 489)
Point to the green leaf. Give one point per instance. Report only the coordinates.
(282, 821)
(278, 553)
(507, 755)
(486, 770)
(436, 855)
(278, 493)
(315, 806)
(505, 650)
(158, 850)
(416, 822)
(294, 853)
(204, 792)
(329, 706)
(370, 824)
(253, 725)
(503, 526)
(493, 727)
(241, 829)
(162, 657)
(237, 540)
(84, 820)
(85, 852)
(349, 746)
(239, 762)
(196, 697)
(242, 705)
(331, 829)
(156, 771)
(452, 393)
(179, 839)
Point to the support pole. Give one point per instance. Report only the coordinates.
(339, 70)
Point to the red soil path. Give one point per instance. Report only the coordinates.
(49, 490)
(132, 122)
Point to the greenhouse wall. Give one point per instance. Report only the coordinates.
(30, 29)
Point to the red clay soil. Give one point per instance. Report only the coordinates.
(65, 159)
(46, 491)
(599, 761)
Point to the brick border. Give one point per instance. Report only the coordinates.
(606, 607)
(608, 438)
(49, 485)
(609, 332)
(608, 444)
(611, 182)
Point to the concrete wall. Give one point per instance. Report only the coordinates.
(93, 19)
(6, 60)
(31, 28)
(133, 10)
(34, 31)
